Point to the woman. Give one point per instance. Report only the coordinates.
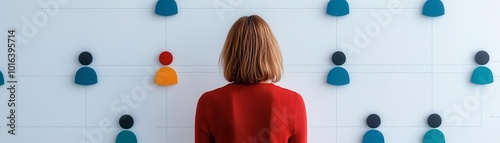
(251, 109)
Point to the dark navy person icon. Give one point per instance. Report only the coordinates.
(373, 135)
(337, 8)
(338, 75)
(126, 136)
(434, 135)
(166, 7)
(85, 75)
(482, 75)
(433, 8)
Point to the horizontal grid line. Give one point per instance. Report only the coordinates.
(396, 126)
(221, 72)
(402, 126)
(302, 65)
(410, 72)
(184, 127)
(214, 8)
(174, 126)
(63, 126)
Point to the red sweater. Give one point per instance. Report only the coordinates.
(251, 113)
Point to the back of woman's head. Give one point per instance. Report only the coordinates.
(251, 53)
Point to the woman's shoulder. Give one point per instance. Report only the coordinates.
(286, 90)
(238, 88)
(216, 91)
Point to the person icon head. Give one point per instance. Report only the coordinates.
(126, 122)
(373, 121)
(482, 58)
(338, 58)
(434, 120)
(373, 135)
(85, 58)
(166, 58)
(126, 136)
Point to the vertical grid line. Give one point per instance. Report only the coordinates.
(336, 88)
(336, 34)
(166, 89)
(481, 99)
(166, 115)
(166, 34)
(86, 115)
(432, 65)
(336, 114)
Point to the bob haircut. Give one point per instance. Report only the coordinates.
(251, 53)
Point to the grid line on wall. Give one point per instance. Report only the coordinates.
(86, 117)
(213, 8)
(432, 65)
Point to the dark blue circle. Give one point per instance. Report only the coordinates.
(373, 121)
(482, 57)
(85, 58)
(338, 58)
(126, 121)
(434, 120)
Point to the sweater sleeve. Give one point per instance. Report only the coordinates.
(201, 131)
(300, 130)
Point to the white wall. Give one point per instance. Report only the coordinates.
(412, 67)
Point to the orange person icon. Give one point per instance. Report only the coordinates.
(166, 76)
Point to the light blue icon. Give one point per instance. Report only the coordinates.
(434, 136)
(166, 8)
(482, 75)
(373, 136)
(337, 8)
(433, 8)
(338, 76)
(86, 76)
(126, 137)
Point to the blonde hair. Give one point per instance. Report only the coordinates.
(251, 53)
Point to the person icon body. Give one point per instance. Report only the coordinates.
(433, 8)
(166, 76)
(85, 75)
(434, 135)
(482, 75)
(2, 80)
(126, 136)
(338, 75)
(337, 8)
(373, 135)
(166, 7)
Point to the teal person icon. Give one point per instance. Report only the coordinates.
(166, 7)
(338, 75)
(433, 8)
(2, 80)
(126, 136)
(85, 75)
(373, 135)
(482, 75)
(434, 135)
(337, 8)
